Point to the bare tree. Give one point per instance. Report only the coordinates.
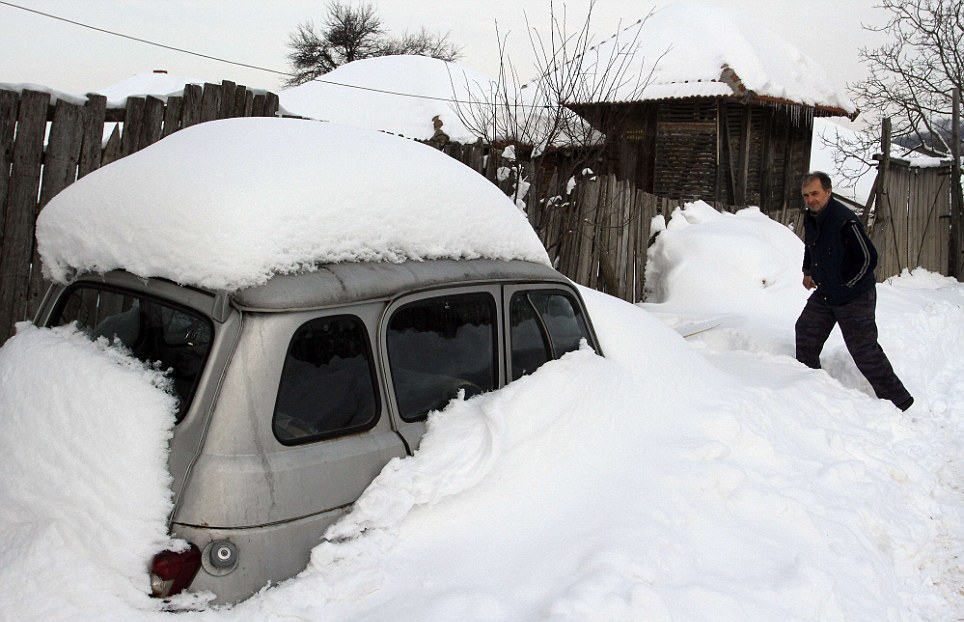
(911, 79)
(537, 121)
(352, 33)
(569, 70)
(421, 43)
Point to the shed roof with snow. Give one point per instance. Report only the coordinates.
(697, 50)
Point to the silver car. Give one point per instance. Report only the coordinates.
(294, 394)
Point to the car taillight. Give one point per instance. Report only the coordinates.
(172, 572)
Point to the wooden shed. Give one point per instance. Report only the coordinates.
(723, 111)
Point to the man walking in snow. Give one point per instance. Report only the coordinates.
(838, 263)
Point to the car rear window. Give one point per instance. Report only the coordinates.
(157, 332)
(327, 383)
(438, 346)
(544, 325)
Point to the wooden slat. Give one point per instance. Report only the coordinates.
(210, 102)
(191, 109)
(133, 119)
(21, 212)
(624, 250)
(152, 122)
(9, 103)
(226, 99)
(63, 150)
(240, 97)
(271, 105)
(257, 106)
(172, 115)
(93, 137)
(584, 234)
(112, 149)
(59, 171)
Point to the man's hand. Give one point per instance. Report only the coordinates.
(808, 282)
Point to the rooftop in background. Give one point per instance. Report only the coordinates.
(397, 94)
(158, 84)
(700, 50)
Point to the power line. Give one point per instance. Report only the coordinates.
(239, 64)
(138, 39)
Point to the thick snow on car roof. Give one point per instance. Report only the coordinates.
(227, 204)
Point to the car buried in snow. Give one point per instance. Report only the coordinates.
(295, 391)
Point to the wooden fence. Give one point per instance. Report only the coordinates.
(596, 233)
(911, 222)
(45, 146)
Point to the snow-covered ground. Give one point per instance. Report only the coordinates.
(697, 472)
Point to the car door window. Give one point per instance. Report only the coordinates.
(544, 325)
(327, 383)
(173, 338)
(438, 346)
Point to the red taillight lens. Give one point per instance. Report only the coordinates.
(172, 572)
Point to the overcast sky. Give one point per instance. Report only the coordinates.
(67, 57)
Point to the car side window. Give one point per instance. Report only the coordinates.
(175, 339)
(544, 325)
(438, 346)
(327, 383)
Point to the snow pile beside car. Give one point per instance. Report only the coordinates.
(255, 197)
(84, 485)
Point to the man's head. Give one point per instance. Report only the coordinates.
(816, 188)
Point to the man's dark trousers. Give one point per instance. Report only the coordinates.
(859, 329)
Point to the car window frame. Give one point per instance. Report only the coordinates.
(511, 289)
(494, 290)
(373, 371)
(65, 294)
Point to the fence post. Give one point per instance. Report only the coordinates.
(954, 259)
(21, 210)
(8, 125)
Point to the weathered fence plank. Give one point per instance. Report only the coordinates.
(131, 130)
(112, 149)
(9, 103)
(192, 105)
(63, 149)
(258, 105)
(226, 100)
(210, 102)
(59, 171)
(21, 211)
(172, 115)
(151, 123)
(93, 135)
(241, 96)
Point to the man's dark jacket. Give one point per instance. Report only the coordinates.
(838, 255)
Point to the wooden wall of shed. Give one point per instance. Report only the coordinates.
(686, 154)
(721, 151)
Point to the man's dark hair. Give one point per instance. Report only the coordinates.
(823, 177)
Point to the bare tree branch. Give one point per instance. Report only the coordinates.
(352, 33)
(911, 77)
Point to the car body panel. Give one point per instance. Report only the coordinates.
(234, 480)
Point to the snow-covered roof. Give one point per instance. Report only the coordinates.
(699, 50)
(397, 94)
(227, 204)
